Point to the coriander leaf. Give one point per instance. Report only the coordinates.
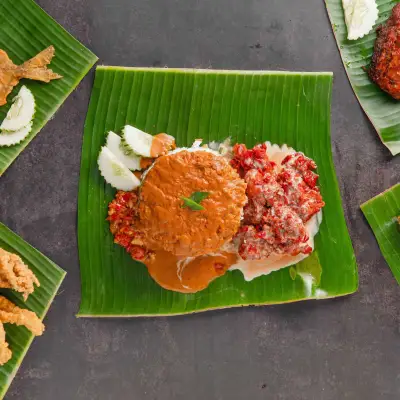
(191, 204)
(198, 197)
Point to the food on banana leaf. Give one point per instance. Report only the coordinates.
(115, 145)
(10, 138)
(35, 69)
(360, 17)
(385, 65)
(21, 112)
(18, 123)
(16, 275)
(200, 212)
(115, 172)
(12, 314)
(134, 151)
(145, 145)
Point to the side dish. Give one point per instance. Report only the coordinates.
(16, 275)
(360, 17)
(18, 123)
(385, 64)
(194, 213)
(35, 69)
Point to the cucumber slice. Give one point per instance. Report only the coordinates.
(21, 112)
(131, 161)
(114, 172)
(138, 141)
(10, 138)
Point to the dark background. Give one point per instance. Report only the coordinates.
(345, 348)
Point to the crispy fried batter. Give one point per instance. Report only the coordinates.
(5, 352)
(385, 65)
(35, 68)
(12, 314)
(16, 275)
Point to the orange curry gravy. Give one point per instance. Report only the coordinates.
(187, 275)
(162, 143)
(180, 246)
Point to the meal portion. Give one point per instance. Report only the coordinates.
(360, 17)
(16, 275)
(192, 214)
(18, 122)
(385, 64)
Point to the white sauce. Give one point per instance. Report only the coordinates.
(308, 283)
(320, 294)
(181, 265)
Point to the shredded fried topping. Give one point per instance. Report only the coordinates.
(12, 314)
(35, 68)
(5, 352)
(16, 275)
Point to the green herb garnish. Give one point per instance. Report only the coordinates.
(193, 202)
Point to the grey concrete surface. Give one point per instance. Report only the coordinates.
(345, 348)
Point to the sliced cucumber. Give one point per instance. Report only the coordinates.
(114, 172)
(138, 141)
(21, 112)
(131, 161)
(10, 138)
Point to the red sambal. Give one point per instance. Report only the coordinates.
(281, 199)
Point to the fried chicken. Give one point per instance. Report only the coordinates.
(5, 352)
(35, 68)
(16, 275)
(12, 314)
(385, 65)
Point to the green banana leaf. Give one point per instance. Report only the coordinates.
(250, 107)
(381, 213)
(50, 277)
(382, 110)
(25, 30)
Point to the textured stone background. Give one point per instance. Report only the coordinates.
(346, 348)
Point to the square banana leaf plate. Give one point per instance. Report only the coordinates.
(382, 213)
(50, 277)
(26, 30)
(248, 106)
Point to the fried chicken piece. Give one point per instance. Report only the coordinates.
(35, 68)
(12, 314)
(16, 275)
(5, 352)
(385, 64)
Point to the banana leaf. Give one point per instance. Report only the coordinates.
(381, 213)
(248, 106)
(50, 277)
(382, 110)
(25, 30)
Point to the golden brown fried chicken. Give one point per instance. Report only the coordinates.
(5, 352)
(12, 314)
(35, 68)
(16, 275)
(385, 65)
